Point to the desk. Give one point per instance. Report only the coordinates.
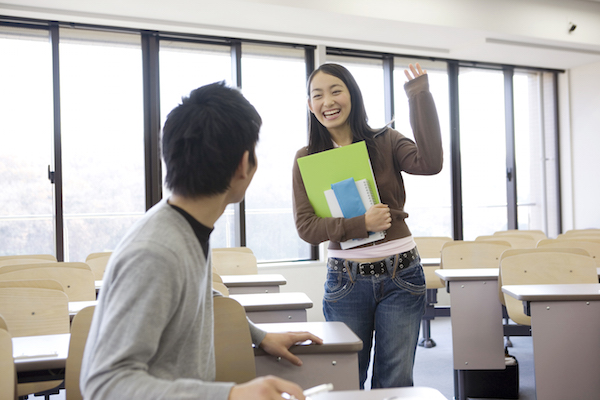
(35, 356)
(275, 307)
(477, 331)
(406, 393)
(565, 327)
(336, 360)
(255, 283)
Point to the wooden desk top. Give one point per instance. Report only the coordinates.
(273, 301)
(564, 292)
(33, 353)
(253, 280)
(405, 393)
(337, 337)
(468, 274)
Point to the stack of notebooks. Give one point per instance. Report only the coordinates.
(340, 183)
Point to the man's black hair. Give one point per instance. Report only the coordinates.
(205, 137)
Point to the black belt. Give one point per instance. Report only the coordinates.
(380, 267)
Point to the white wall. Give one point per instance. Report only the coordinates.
(584, 107)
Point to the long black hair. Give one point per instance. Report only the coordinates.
(319, 138)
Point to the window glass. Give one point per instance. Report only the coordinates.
(529, 148)
(102, 138)
(185, 66)
(26, 136)
(274, 81)
(428, 198)
(483, 151)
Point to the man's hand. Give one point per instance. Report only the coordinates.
(265, 388)
(278, 344)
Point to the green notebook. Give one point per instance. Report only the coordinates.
(320, 170)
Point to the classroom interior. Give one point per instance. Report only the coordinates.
(557, 36)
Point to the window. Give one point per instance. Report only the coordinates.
(26, 135)
(274, 81)
(185, 66)
(102, 138)
(368, 73)
(483, 151)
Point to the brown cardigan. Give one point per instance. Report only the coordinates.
(395, 153)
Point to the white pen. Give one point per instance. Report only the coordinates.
(326, 387)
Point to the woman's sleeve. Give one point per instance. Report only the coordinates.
(425, 156)
(314, 229)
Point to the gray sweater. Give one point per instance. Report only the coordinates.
(152, 332)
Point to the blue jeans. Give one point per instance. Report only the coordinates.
(390, 305)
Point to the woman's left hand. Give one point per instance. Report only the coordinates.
(278, 344)
(416, 72)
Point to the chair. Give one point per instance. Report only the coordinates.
(234, 354)
(580, 232)
(515, 330)
(241, 248)
(23, 260)
(80, 327)
(473, 254)
(47, 257)
(545, 267)
(98, 262)
(234, 263)
(76, 278)
(592, 246)
(34, 311)
(535, 233)
(516, 240)
(221, 288)
(8, 374)
(430, 247)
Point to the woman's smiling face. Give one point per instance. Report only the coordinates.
(329, 100)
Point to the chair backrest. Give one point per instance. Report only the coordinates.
(240, 248)
(216, 277)
(3, 323)
(76, 278)
(535, 233)
(516, 240)
(513, 252)
(234, 355)
(33, 311)
(80, 327)
(589, 231)
(545, 267)
(8, 374)
(221, 288)
(98, 262)
(47, 257)
(234, 263)
(431, 247)
(473, 254)
(590, 245)
(16, 261)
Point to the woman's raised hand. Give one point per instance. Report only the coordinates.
(414, 72)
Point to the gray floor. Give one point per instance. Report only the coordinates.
(433, 366)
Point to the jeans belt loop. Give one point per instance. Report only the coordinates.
(348, 270)
(395, 267)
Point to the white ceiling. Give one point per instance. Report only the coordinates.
(518, 32)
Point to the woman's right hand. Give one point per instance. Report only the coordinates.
(378, 218)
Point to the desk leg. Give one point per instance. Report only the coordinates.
(566, 349)
(459, 385)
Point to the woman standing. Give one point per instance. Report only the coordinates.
(377, 288)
